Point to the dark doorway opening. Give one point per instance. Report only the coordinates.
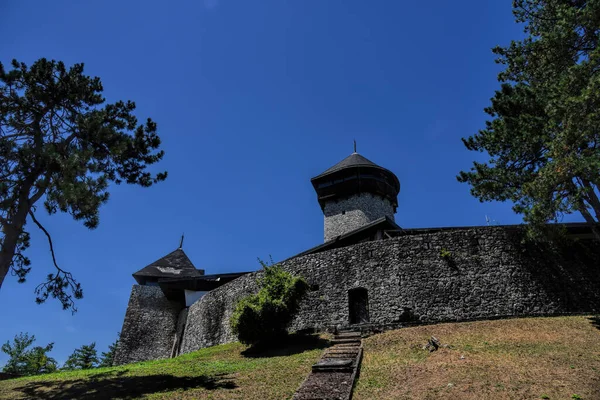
(358, 300)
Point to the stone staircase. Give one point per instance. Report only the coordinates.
(333, 376)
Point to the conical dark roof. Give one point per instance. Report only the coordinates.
(356, 174)
(353, 160)
(174, 264)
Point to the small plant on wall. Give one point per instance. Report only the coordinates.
(265, 316)
(446, 255)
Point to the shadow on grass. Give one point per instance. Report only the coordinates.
(110, 385)
(286, 346)
(595, 321)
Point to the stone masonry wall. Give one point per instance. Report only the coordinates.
(208, 318)
(346, 215)
(490, 274)
(149, 327)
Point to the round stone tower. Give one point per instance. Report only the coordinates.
(355, 192)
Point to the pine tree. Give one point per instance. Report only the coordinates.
(107, 358)
(24, 361)
(85, 357)
(60, 148)
(38, 361)
(543, 138)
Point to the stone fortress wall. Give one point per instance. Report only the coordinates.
(490, 274)
(345, 215)
(149, 327)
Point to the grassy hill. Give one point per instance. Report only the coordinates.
(220, 372)
(530, 358)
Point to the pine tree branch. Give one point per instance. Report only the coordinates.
(56, 284)
(34, 219)
(40, 192)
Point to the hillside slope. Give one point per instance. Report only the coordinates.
(529, 358)
(525, 358)
(219, 372)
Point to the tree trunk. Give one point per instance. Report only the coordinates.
(9, 245)
(590, 220)
(592, 198)
(6, 254)
(12, 230)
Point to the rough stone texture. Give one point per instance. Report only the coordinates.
(149, 327)
(346, 215)
(490, 274)
(208, 318)
(180, 327)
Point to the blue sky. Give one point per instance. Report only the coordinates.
(252, 99)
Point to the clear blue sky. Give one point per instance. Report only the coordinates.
(252, 99)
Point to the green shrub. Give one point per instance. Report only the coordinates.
(445, 254)
(265, 316)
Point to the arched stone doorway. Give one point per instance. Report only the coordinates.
(358, 303)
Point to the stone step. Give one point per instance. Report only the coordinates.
(340, 355)
(347, 350)
(330, 370)
(350, 334)
(343, 349)
(334, 365)
(333, 377)
(326, 386)
(345, 341)
(346, 347)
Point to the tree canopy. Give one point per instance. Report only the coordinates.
(60, 147)
(543, 138)
(107, 358)
(85, 357)
(25, 361)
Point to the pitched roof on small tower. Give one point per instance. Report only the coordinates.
(356, 174)
(353, 160)
(174, 264)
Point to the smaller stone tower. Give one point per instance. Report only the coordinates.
(355, 192)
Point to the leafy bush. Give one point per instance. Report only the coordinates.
(265, 316)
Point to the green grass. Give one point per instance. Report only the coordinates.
(528, 358)
(220, 372)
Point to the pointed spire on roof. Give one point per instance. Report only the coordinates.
(354, 146)
(181, 242)
(174, 264)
